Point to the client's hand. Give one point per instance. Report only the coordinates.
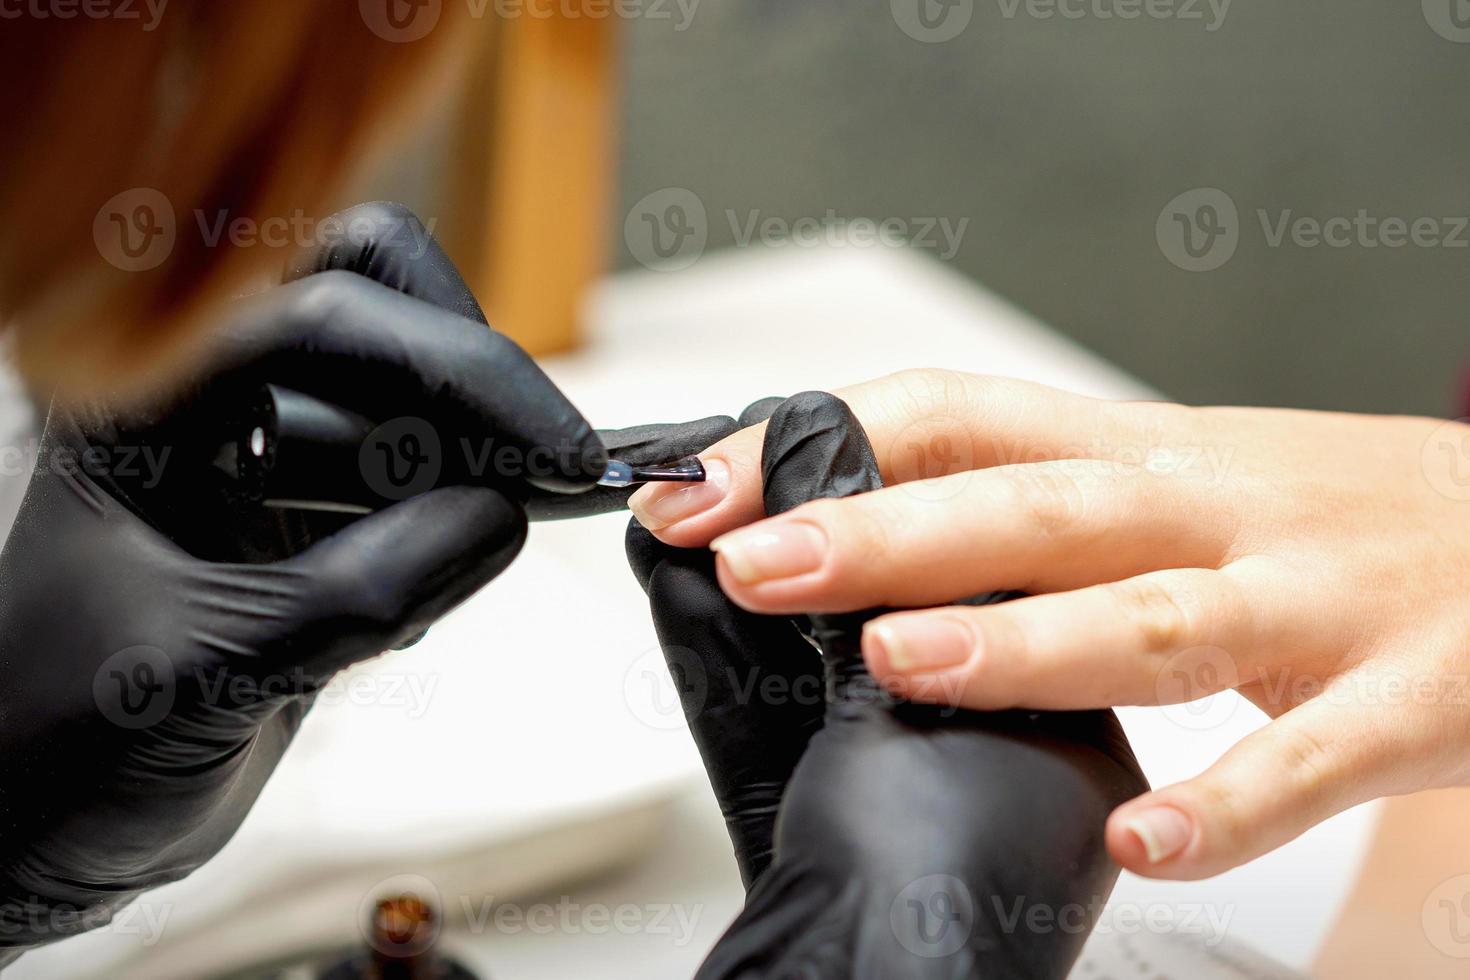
(1316, 563)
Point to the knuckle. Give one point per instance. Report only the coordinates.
(927, 421)
(381, 214)
(1300, 772)
(317, 298)
(1163, 616)
(362, 603)
(1050, 501)
(1155, 422)
(1308, 762)
(931, 386)
(377, 225)
(932, 392)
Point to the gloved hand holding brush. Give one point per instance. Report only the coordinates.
(162, 638)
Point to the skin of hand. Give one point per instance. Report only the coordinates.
(1316, 563)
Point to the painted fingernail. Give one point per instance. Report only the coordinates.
(920, 644)
(658, 505)
(777, 550)
(1162, 830)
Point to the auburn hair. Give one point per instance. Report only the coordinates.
(212, 108)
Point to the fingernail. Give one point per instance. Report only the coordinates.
(920, 644)
(658, 505)
(777, 550)
(1162, 830)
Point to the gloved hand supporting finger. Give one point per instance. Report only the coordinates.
(750, 685)
(997, 811)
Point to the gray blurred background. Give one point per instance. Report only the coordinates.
(1062, 140)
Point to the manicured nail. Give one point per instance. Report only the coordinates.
(658, 505)
(920, 644)
(775, 550)
(1162, 830)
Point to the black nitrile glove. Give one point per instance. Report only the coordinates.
(751, 686)
(903, 840)
(161, 642)
(378, 323)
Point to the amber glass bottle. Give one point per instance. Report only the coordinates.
(402, 939)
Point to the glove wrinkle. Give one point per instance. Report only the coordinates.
(815, 448)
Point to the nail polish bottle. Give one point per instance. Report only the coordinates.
(401, 945)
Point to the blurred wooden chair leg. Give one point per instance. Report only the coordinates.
(531, 177)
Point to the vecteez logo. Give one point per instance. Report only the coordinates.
(148, 13)
(932, 21)
(937, 21)
(135, 231)
(1195, 688)
(933, 917)
(1450, 19)
(667, 231)
(660, 686)
(1199, 230)
(401, 21)
(1446, 459)
(401, 458)
(138, 230)
(1210, 13)
(135, 688)
(405, 21)
(1445, 917)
